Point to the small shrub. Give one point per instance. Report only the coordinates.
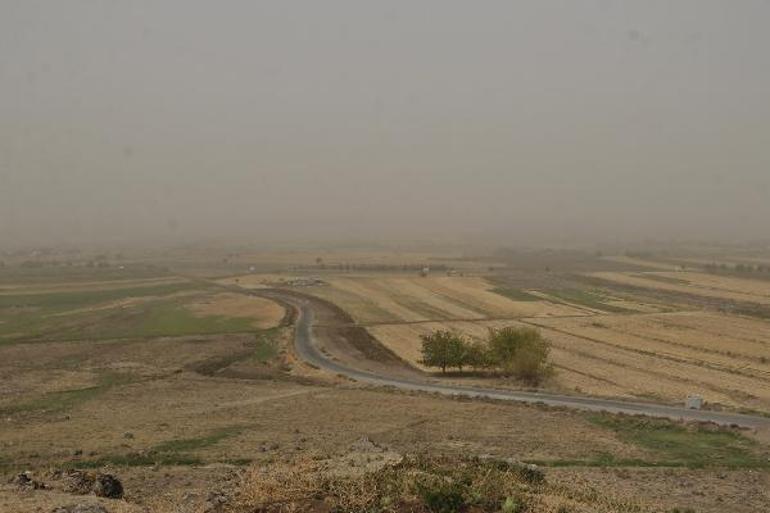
(442, 496)
(433, 484)
(531, 474)
(512, 505)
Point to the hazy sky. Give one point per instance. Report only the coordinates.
(518, 120)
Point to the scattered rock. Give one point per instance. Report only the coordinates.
(22, 479)
(215, 502)
(102, 485)
(81, 508)
(79, 482)
(107, 485)
(26, 480)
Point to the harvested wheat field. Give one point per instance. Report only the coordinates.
(664, 356)
(413, 299)
(631, 363)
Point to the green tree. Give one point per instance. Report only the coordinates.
(477, 355)
(444, 348)
(521, 352)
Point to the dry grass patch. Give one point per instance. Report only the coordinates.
(265, 313)
(416, 483)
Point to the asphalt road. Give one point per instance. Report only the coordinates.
(307, 350)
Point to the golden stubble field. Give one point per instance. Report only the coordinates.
(639, 353)
(658, 356)
(396, 299)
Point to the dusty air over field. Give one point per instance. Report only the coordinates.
(426, 256)
(546, 122)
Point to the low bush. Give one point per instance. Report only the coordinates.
(416, 483)
(442, 495)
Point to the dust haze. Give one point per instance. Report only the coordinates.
(540, 121)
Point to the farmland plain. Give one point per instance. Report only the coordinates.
(173, 376)
(604, 341)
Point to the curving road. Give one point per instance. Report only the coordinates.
(308, 351)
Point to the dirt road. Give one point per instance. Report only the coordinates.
(334, 355)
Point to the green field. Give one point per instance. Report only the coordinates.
(81, 298)
(590, 298)
(88, 314)
(68, 399)
(158, 318)
(515, 294)
(671, 444)
(67, 274)
(174, 452)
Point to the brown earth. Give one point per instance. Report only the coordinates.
(266, 314)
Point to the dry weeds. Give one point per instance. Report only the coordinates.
(266, 314)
